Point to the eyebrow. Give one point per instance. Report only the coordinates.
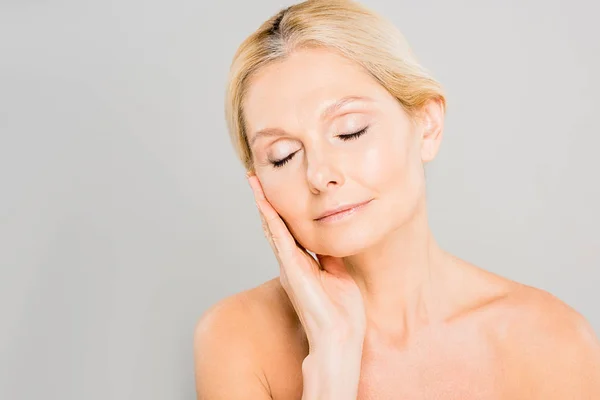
(325, 114)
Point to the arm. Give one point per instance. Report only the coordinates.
(577, 372)
(226, 365)
(328, 303)
(569, 366)
(332, 371)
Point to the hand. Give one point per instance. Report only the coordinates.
(326, 298)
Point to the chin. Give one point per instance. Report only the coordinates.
(343, 241)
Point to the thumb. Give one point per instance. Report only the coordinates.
(333, 265)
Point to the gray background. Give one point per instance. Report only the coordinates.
(125, 213)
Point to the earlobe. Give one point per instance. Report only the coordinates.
(427, 153)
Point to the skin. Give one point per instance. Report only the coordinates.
(436, 326)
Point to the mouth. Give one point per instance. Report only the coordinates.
(341, 212)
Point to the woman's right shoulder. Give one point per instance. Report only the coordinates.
(255, 309)
(241, 335)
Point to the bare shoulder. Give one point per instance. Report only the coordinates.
(547, 349)
(539, 312)
(553, 348)
(238, 340)
(519, 310)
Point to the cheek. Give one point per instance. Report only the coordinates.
(287, 197)
(290, 202)
(383, 162)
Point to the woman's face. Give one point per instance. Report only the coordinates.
(307, 166)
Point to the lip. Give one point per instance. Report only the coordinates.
(341, 211)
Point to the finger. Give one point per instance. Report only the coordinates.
(282, 271)
(266, 230)
(256, 188)
(282, 263)
(282, 237)
(259, 195)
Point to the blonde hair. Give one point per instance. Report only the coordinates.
(345, 26)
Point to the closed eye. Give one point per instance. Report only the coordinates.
(354, 135)
(283, 161)
(350, 136)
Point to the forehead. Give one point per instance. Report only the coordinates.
(297, 89)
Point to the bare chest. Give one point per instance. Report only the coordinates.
(429, 372)
(443, 376)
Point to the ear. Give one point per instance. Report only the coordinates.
(432, 122)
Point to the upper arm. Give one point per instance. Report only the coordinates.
(565, 356)
(579, 357)
(225, 355)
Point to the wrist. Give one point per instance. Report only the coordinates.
(332, 371)
(341, 340)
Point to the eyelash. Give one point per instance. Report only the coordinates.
(350, 136)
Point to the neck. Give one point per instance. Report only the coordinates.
(395, 279)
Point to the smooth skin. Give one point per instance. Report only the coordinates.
(329, 306)
(415, 322)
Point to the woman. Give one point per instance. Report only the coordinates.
(334, 119)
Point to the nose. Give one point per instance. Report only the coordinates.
(323, 173)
